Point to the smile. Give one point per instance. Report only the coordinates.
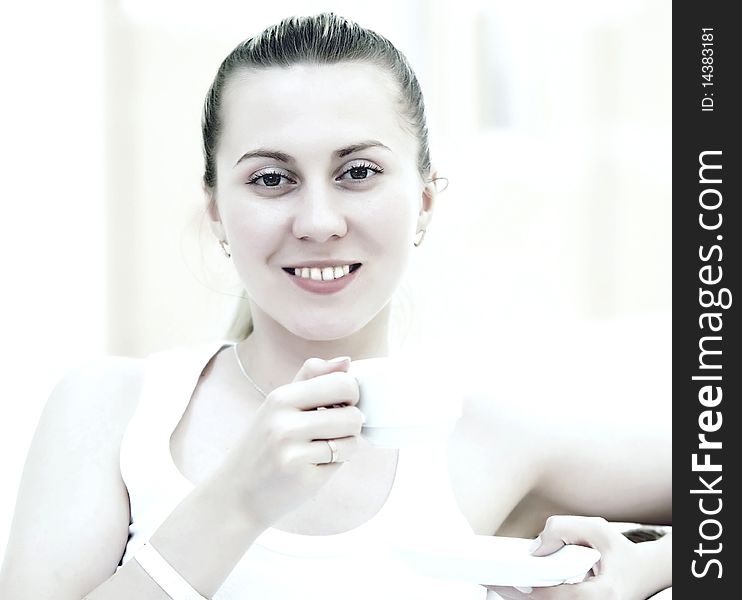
(322, 273)
(323, 279)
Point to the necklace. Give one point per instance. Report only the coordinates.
(244, 372)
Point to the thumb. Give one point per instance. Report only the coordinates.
(561, 530)
(313, 367)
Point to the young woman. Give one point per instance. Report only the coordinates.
(237, 470)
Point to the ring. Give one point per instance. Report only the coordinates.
(333, 450)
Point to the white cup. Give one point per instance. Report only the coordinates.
(405, 403)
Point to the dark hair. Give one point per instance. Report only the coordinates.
(321, 39)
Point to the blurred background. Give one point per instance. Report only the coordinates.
(547, 265)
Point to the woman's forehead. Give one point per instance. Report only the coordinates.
(312, 104)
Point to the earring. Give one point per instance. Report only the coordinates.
(225, 248)
(435, 181)
(420, 239)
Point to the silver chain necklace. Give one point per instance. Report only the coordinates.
(244, 372)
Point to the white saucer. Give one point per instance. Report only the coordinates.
(494, 560)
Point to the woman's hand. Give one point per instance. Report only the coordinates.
(626, 571)
(283, 458)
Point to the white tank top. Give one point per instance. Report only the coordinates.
(356, 564)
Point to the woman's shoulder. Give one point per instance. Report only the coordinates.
(74, 460)
(100, 394)
(108, 371)
(104, 392)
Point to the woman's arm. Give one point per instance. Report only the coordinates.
(71, 519)
(592, 411)
(276, 465)
(71, 525)
(615, 469)
(202, 539)
(586, 453)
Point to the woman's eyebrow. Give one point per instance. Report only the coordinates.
(287, 158)
(360, 146)
(265, 153)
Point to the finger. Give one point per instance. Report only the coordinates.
(323, 390)
(332, 423)
(562, 529)
(592, 589)
(320, 453)
(524, 589)
(313, 367)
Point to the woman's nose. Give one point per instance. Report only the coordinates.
(319, 215)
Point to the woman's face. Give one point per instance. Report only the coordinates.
(316, 172)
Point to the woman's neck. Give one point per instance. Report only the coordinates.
(273, 355)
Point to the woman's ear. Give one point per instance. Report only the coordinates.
(215, 221)
(218, 230)
(427, 202)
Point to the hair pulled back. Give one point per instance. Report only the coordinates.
(321, 39)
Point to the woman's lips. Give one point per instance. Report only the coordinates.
(329, 286)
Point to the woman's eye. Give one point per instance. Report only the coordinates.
(361, 172)
(269, 179)
(274, 179)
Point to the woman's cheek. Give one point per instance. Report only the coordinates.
(393, 221)
(258, 232)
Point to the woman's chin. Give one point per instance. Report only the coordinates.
(323, 332)
(331, 325)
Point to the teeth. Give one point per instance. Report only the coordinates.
(322, 274)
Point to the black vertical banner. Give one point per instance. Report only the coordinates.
(707, 49)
